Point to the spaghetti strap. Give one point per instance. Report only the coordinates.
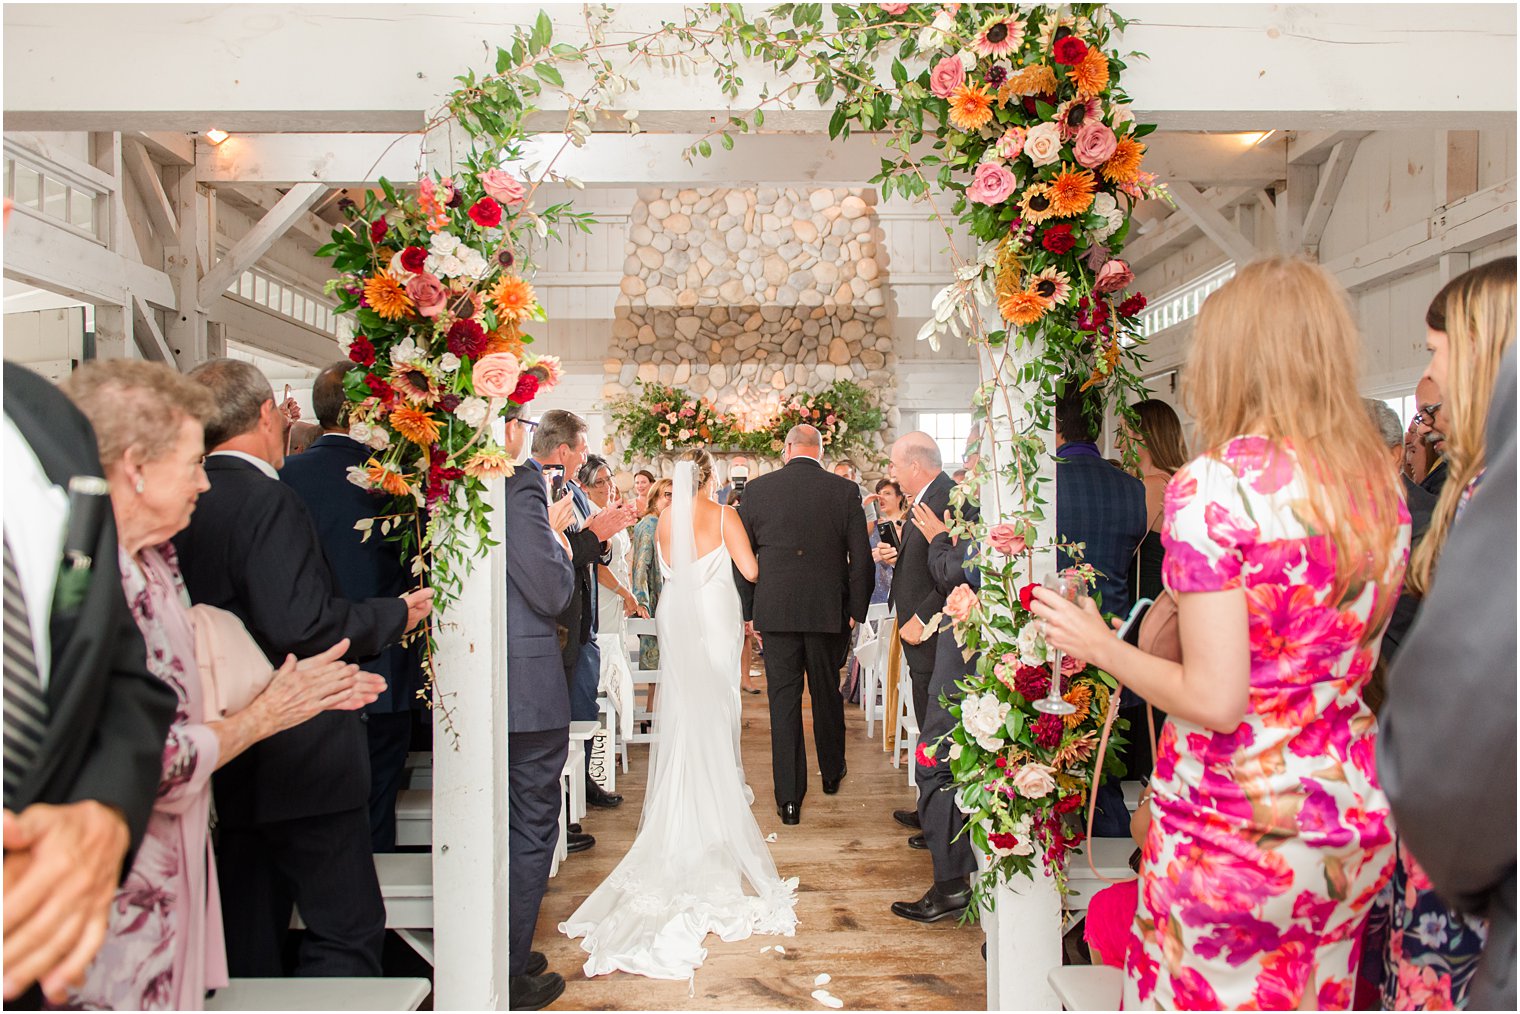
(722, 517)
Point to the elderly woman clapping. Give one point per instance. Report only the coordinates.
(164, 947)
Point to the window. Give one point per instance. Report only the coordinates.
(949, 430)
(1183, 303)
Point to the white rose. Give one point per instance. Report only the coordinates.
(1043, 144)
(955, 751)
(360, 432)
(471, 262)
(379, 438)
(472, 411)
(404, 352)
(1034, 781)
(448, 362)
(983, 716)
(1104, 203)
(450, 266)
(1031, 645)
(444, 243)
(968, 60)
(1121, 114)
(358, 478)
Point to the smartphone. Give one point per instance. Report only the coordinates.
(872, 513)
(888, 535)
(1130, 631)
(554, 475)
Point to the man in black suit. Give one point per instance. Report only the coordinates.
(85, 721)
(293, 810)
(1431, 423)
(1103, 508)
(560, 440)
(540, 586)
(364, 569)
(809, 533)
(918, 467)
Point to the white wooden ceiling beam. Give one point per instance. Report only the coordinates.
(246, 251)
(1178, 227)
(337, 160)
(1263, 67)
(1332, 175)
(151, 189)
(148, 335)
(166, 147)
(42, 254)
(1211, 221)
(1312, 147)
(255, 201)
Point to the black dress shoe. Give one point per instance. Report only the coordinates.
(578, 842)
(573, 828)
(601, 798)
(918, 841)
(907, 818)
(534, 992)
(831, 787)
(934, 906)
(537, 964)
(790, 813)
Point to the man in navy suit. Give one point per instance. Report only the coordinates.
(1102, 507)
(540, 586)
(365, 569)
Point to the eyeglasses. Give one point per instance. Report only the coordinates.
(530, 424)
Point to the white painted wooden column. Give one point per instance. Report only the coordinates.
(1024, 928)
(470, 789)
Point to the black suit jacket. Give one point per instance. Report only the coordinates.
(364, 568)
(1102, 507)
(108, 716)
(809, 534)
(586, 551)
(540, 584)
(251, 548)
(1435, 481)
(1422, 505)
(914, 592)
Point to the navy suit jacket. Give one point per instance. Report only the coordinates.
(1104, 507)
(540, 586)
(364, 569)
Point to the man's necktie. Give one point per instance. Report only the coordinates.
(25, 703)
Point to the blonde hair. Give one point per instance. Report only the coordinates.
(132, 403)
(704, 463)
(652, 498)
(1276, 353)
(1476, 310)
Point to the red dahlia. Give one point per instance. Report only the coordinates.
(413, 258)
(1031, 681)
(362, 351)
(1132, 306)
(1070, 50)
(1047, 731)
(377, 230)
(449, 402)
(486, 213)
(380, 389)
(467, 339)
(1058, 239)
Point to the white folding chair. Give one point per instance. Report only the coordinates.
(905, 738)
(648, 678)
(869, 653)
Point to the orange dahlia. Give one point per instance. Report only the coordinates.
(416, 425)
(1021, 307)
(507, 338)
(1071, 193)
(1124, 166)
(387, 479)
(489, 464)
(386, 297)
(514, 299)
(1035, 206)
(1081, 696)
(1035, 79)
(1089, 74)
(970, 107)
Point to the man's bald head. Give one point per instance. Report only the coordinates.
(804, 441)
(916, 461)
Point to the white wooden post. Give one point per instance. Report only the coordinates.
(1024, 928)
(470, 788)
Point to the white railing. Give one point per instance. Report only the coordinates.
(54, 193)
(1183, 303)
(293, 301)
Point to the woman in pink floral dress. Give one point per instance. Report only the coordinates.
(1286, 543)
(163, 948)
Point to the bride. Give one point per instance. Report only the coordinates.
(698, 864)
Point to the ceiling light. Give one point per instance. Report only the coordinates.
(216, 136)
(1252, 139)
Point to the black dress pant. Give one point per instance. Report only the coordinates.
(390, 740)
(323, 866)
(533, 802)
(938, 815)
(788, 656)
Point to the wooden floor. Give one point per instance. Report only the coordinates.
(853, 861)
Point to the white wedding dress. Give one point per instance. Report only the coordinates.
(698, 864)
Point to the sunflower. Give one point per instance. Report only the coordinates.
(414, 382)
(1035, 79)
(1081, 696)
(1035, 206)
(1090, 74)
(514, 299)
(386, 297)
(489, 463)
(386, 479)
(999, 36)
(1052, 285)
(1021, 307)
(1071, 193)
(1124, 166)
(416, 425)
(970, 107)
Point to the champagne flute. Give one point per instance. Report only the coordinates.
(1065, 584)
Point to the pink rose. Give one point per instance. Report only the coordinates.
(496, 374)
(1043, 143)
(1011, 144)
(428, 293)
(893, 9)
(947, 75)
(960, 603)
(1094, 144)
(1071, 666)
(992, 184)
(1034, 781)
(1006, 540)
(1113, 276)
(503, 186)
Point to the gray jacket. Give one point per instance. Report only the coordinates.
(540, 584)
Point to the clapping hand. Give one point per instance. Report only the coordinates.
(928, 523)
(607, 523)
(562, 514)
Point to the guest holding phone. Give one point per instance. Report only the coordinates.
(884, 521)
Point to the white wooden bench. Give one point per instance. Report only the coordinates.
(1110, 856)
(414, 816)
(419, 769)
(647, 678)
(575, 767)
(321, 994)
(406, 885)
(1088, 987)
